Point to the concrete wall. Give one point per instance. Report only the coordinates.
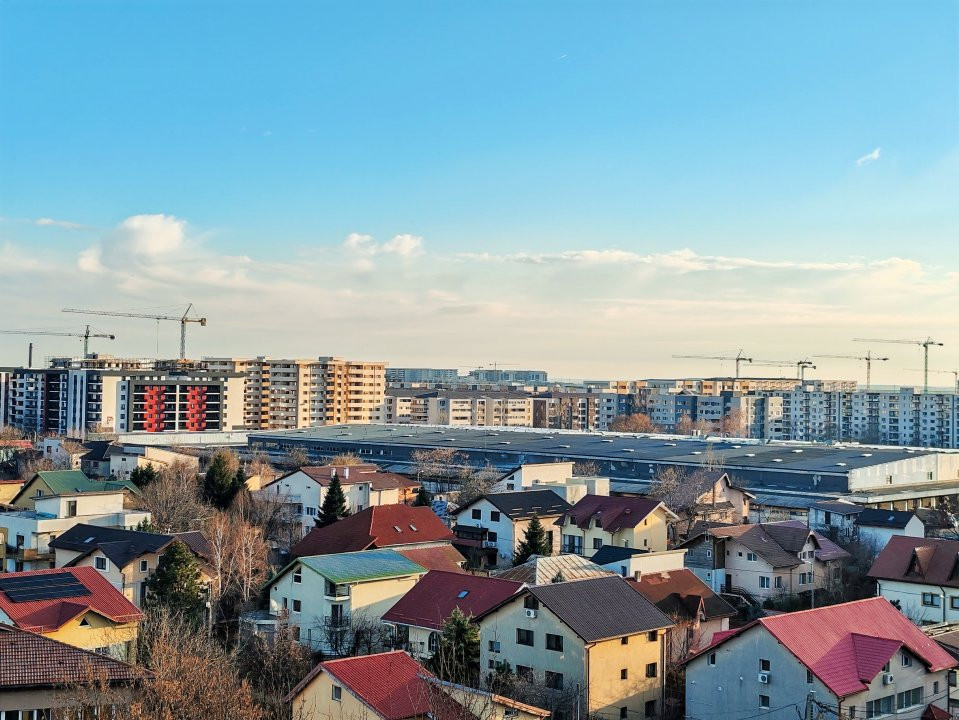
(911, 601)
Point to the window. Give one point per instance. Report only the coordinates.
(935, 688)
(624, 674)
(711, 659)
(298, 576)
(433, 642)
(909, 698)
(809, 677)
(100, 563)
(954, 602)
(624, 640)
(652, 636)
(530, 603)
(311, 511)
(778, 582)
(524, 673)
(649, 709)
(554, 642)
(337, 692)
(764, 665)
(805, 578)
(764, 701)
(931, 600)
(524, 637)
(491, 536)
(709, 553)
(144, 566)
(494, 515)
(905, 659)
(476, 514)
(71, 508)
(651, 670)
(764, 582)
(751, 557)
(597, 543)
(622, 712)
(494, 646)
(297, 606)
(882, 706)
(554, 680)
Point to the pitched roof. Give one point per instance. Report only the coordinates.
(119, 545)
(873, 517)
(28, 660)
(680, 593)
(613, 553)
(838, 507)
(918, 560)
(66, 482)
(846, 645)
(437, 557)
(352, 474)
(196, 541)
(391, 684)
(432, 600)
(522, 505)
(97, 450)
(614, 513)
(542, 569)
(48, 615)
(364, 566)
(624, 611)
(779, 543)
(378, 526)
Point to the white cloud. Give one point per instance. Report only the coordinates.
(65, 224)
(868, 158)
(405, 246)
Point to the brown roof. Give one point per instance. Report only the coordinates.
(780, 543)
(34, 661)
(353, 474)
(918, 560)
(436, 557)
(380, 526)
(679, 593)
(614, 513)
(434, 598)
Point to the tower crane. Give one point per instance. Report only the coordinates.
(924, 344)
(800, 365)
(738, 358)
(183, 320)
(86, 335)
(954, 373)
(868, 357)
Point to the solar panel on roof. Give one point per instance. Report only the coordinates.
(29, 588)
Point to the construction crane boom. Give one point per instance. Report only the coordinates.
(924, 344)
(738, 358)
(868, 357)
(85, 335)
(182, 319)
(800, 365)
(954, 373)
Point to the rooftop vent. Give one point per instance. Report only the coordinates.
(866, 455)
(797, 451)
(777, 459)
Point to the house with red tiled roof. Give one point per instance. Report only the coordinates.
(921, 575)
(393, 686)
(403, 528)
(363, 485)
(39, 675)
(861, 659)
(417, 618)
(75, 605)
(630, 522)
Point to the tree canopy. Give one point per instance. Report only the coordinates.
(143, 476)
(222, 482)
(176, 584)
(457, 654)
(534, 542)
(334, 503)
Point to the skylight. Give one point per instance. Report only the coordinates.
(412, 527)
(463, 594)
(398, 528)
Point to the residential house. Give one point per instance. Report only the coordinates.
(95, 462)
(393, 686)
(834, 518)
(364, 486)
(124, 459)
(632, 563)
(862, 659)
(697, 611)
(721, 501)
(64, 454)
(543, 569)
(528, 474)
(39, 675)
(412, 531)
(921, 576)
(417, 618)
(598, 635)
(9, 490)
(763, 561)
(490, 528)
(629, 522)
(845, 521)
(326, 595)
(127, 558)
(25, 534)
(61, 482)
(77, 606)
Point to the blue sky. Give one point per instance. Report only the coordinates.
(522, 145)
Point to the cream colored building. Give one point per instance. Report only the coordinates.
(594, 521)
(598, 635)
(297, 393)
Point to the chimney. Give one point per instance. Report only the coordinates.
(637, 575)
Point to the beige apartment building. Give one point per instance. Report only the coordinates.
(297, 393)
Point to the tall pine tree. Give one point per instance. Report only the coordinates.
(221, 484)
(423, 498)
(457, 656)
(176, 583)
(334, 503)
(534, 542)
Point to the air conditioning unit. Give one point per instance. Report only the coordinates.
(530, 613)
(764, 678)
(888, 679)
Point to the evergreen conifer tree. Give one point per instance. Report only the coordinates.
(533, 542)
(423, 498)
(143, 476)
(457, 655)
(220, 484)
(334, 503)
(176, 584)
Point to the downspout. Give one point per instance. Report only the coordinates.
(586, 683)
(944, 598)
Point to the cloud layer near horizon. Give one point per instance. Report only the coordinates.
(579, 312)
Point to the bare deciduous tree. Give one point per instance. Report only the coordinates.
(347, 460)
(297, 458)
(634, 422)
(173, 499)
(586, 468)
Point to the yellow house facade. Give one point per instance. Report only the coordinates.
(597, 520)
(597, 640)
